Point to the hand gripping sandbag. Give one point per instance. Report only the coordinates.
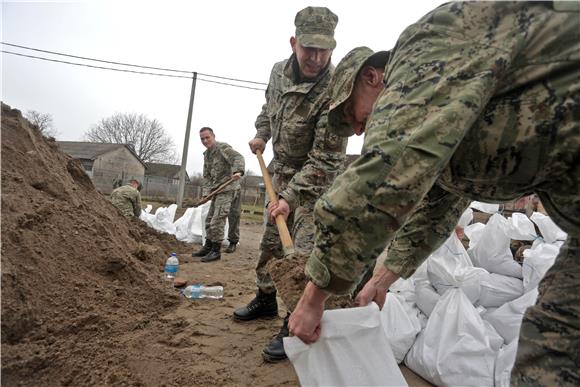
(352, 351)
(454, 349)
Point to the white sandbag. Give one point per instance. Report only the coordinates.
(454, 349)
(473, 233)
(400, 327)
(164, 219)
(465, 218)
(506, 358)
(485, 207)
(426, 297)
(507, 319)
(537, 261)
(405, 288)
(147, 216)
(361, 355)
(450, 267)
(549, 230)
(188, 227)
(497, 289)
(495, 339)
(492, 250)
(520, 228)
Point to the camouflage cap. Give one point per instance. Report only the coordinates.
(342, 83)
(315, 27)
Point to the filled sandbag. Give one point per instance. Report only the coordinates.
(506, 358)
(537, 261)
(401, 327)
(497, 289)
(361, 352)
(454, 348)
(549, 230)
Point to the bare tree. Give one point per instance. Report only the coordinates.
(147, 137)
(43, 121)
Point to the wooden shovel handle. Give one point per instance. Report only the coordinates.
(287, 244)
(216, 191)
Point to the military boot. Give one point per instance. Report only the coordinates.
(231, 248)
(204, 250)
(262, 306)
(274, 352)
(214, 254)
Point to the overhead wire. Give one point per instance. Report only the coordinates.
(132, 65)
(134, 71)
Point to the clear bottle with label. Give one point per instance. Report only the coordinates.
(201, 291)
(171, 267)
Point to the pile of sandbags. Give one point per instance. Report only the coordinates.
(469, 304)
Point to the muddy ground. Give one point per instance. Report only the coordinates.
(84, 301)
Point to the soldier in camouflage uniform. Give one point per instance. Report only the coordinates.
(306, 156)
(481, 102)
(128, 199)
(220, 163)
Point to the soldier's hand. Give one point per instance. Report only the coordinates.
(282, 208)
(257, 144)
(376, 289)
(305, 319)
(237, 176)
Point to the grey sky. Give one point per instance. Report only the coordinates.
(238, 39)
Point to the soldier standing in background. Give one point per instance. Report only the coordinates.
(481, 101)
(127, 198)
(306, 156)
(220, 163)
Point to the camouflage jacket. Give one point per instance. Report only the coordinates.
(219, 164)
(294, 117)
(481, 102)
(127, 199)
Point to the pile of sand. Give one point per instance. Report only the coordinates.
(76, 275)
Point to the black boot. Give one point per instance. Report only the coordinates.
(274, 352)
(231, 248)
(262, 306)
(204, 250)
(214, 254)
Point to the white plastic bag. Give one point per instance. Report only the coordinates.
(185, 227)
(485, 207)
(164, 219)
(473, 232)
(400, 327)
(465, 218)
(492, 250)
(497, 289)
(454, 349)
(520, 228)
(507, 319)
(353, 350)
(450, 267)
(427, 297)
(549, 230)
(537, 261)
(506, 358)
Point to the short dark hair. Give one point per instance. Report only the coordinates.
(135, 181)
(378, 60)
(206, 128)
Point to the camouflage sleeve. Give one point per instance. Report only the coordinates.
(427, 229)
(234, 158)
(441, 76)
(325, 161)
(262, 124)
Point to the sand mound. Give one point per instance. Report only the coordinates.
(76, 274)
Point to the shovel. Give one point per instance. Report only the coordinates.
(213, 193)
(287, 245)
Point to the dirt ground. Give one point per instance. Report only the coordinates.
(84, 301)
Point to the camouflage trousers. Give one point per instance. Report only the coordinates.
(217, 215)
(301, 226)
(234, 217)
(549, 344)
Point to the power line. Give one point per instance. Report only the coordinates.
(131, 65)
(129, 71)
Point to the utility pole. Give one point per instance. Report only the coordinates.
(186, 145)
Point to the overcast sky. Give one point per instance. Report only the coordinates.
(237, 39)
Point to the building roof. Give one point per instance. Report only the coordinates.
(165, 170)
(92, 150)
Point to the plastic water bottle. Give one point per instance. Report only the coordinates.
(171, 267)
(200, 291)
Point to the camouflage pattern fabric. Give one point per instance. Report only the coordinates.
(306, 156)
(128, 200)
(220, 162)
(482, 102)
(217, 215)
(234, 217)
(315, 27)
